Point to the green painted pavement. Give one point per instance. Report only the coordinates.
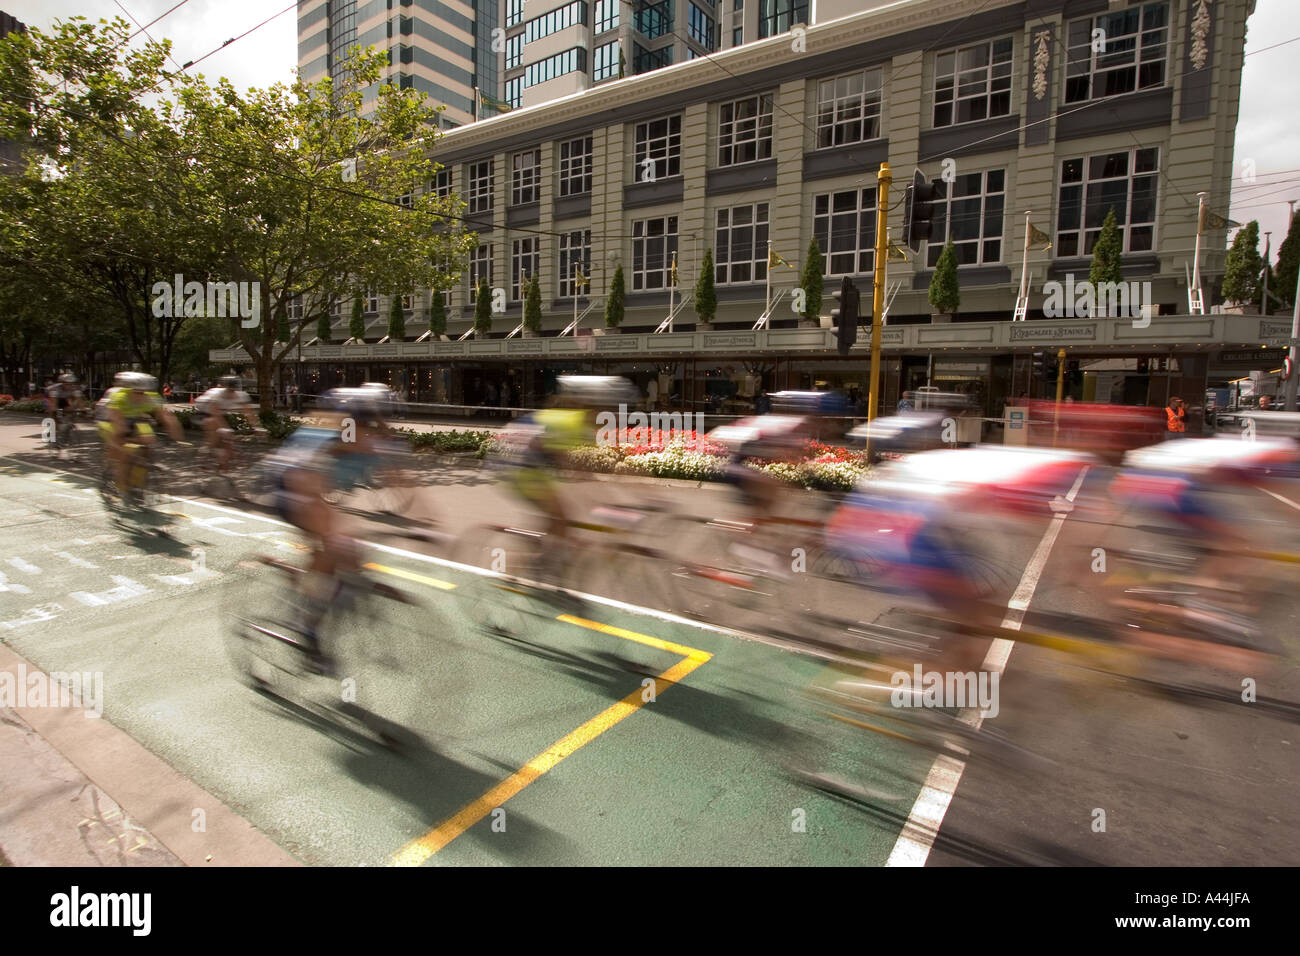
(694, 777)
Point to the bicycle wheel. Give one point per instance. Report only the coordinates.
(260, 625)
(503, 597)
(725, 575)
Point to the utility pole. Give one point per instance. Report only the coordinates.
(883, 179)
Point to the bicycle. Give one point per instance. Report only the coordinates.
(63, 437)
(270, 653)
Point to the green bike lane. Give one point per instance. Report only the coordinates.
(614, 737)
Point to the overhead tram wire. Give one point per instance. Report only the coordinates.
(143, 30)
(240, 37)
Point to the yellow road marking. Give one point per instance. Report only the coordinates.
(411, 576)
(418, 851)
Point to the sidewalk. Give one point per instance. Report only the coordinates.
(77, 791)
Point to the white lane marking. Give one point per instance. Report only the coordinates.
(923, 823)
(45, 612)
(26, 566)
(429, 559)
(1285, 501)
(15, 588)
(73, 559)
(126, 589)
(193, 577)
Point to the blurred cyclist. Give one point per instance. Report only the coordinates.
(211, 409)
(65, 395)
(312, 463)
(128, 408)
(534, 446)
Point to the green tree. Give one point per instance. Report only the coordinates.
(812, 281)
(323, 328)
(295, 187)
(1288, 264)
(437, 314)
(1242, 267)
(944, 293)
(483, 307)
(396, 320)
(706, 293)
(357, 325)
(616, 302)
(533, 306)
(1107, 262)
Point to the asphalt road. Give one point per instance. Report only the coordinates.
(550, 749)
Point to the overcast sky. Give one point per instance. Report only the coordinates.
(1267, 131)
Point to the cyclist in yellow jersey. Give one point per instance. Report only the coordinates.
(544, 437)
(133, 401)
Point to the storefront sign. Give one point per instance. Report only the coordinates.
(1023, 332)
(740, 340)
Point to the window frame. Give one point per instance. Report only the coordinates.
(864, 253)
(738, 133)
(524, 248)
(942, 213)
(729, 270)
(1080, 234)
(582, 159)
(526, 180)
(996, 77)
(642, 237)
(566, 249)
(1092, 60)
(830, 112)
(667, 157)
(482, 185)
(483, 255)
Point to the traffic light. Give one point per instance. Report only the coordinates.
(845, 315)
(918, 207)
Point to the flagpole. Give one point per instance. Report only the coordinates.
(767, 304)
(1196, 258)
(1024, 269)
(1263, 302)
(476, 104)
(672, 292)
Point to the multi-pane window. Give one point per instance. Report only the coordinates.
(372, 303)
(700, 27)
(568, 15)
(342, 30)
(745, 130)
(525, 177)
(973, 83)
(440, 185)
(515, 91)
(525, 259)
(575, 253)
(778, 16)
(1117, 53)
(659, 149)
(1124, 183)
(737, 36)
(653, 243)
(845, 226)
(740, 244)
(654, 19)
(606, 15)
(848, 108)
(569, 61)
(480, 268)
(575, 166)
(605, 60)
(969, 211)
(480, 186)
(295, 309)
(514, 50)
(514, 12)
(643, 60)
(406, 200)
(408, 302)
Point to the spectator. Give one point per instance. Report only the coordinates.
(1175, 418)
(652, 394)
(1265, 402)
(295, 398)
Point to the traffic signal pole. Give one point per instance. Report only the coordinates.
(883, 179)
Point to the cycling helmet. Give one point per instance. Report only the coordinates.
(230, 381)
(137, 381)
(363, 404)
